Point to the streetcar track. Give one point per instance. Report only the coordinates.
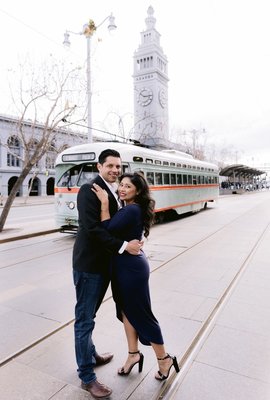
(28, 245)
(172, 384)
(34, 258)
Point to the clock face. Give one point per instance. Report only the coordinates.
(162, 98)
(145, 97)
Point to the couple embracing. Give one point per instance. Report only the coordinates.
(108, 247)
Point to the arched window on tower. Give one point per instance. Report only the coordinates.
(13, 154)
(147, 37)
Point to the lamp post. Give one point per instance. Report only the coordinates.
(88, 31)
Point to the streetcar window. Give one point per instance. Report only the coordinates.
(158, 162)
(125, 168)
(203, 180)
(173, 179)
(158, 178)
(199, 180)
(179, 165)
(190, 179)
(165, 163)
(166, 179)
(179, 179)
(69, 178)
(172, 164)
(78, 157)
(89, 172)
(137, 159)
(194, 180)
(184, 179)
(150, 177)
(149, 161)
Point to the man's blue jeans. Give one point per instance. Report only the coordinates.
(89, 288)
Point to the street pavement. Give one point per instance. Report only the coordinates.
(33, 227)
(232, 360)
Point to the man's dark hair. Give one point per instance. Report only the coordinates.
(107, 153)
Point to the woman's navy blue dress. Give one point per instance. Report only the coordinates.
(130, 277)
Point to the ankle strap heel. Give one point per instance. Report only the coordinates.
(162, 377)
(164, 358)
(122, 371)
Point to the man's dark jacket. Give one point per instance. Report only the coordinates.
(93, 245)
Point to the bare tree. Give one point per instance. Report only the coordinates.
(41, 98)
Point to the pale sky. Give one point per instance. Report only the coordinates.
(218, 61)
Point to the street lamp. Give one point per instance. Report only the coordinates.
(88, 31)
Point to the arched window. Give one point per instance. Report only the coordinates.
(13, 155)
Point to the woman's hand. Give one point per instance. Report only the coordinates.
(100, 193)
(103, 196)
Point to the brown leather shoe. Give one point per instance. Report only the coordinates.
(97, 389)
(102, 359)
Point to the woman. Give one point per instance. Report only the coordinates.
(130, 274)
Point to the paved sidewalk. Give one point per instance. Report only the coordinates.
(232, 363)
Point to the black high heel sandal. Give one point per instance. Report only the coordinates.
(140, 362)
(174, 364)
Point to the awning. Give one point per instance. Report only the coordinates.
(240, 169)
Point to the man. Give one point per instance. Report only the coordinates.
(91, 258)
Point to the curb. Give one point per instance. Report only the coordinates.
(27, 204)
(29, 235)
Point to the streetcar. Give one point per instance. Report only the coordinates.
(178, 182)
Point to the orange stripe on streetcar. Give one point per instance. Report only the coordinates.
(169, 187)
(66, 190)
(184, 204)
(153, 188)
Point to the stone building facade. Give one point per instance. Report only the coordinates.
(12, 154)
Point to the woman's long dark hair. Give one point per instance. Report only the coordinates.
(143, 198)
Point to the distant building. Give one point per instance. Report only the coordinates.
(12, 153)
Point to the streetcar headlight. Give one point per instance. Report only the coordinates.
(71, 205)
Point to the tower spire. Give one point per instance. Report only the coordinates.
(150, 20)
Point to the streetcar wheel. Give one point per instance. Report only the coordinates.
(159, 217)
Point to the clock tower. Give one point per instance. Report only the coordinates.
(150, 79)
